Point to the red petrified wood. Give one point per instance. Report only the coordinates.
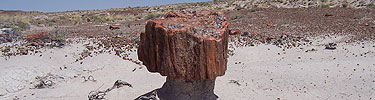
(186, 45)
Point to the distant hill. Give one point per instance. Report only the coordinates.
(15, 12)
(296, 3)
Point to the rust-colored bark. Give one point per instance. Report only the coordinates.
(186, 45)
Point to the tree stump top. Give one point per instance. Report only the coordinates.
(203, 24)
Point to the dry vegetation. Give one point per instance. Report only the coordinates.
(261, 21)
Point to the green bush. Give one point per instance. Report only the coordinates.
(218, 8)
(97, 18)
(181, 8)
(57, 35)
(238, 7)
(281, 1)
(76, 20)
(62, 17)
(323, 0)
(324, 5)
(345, 5)
(23, 26)
(5, 26)
(152, 16)
(54, 19)
(371, 5)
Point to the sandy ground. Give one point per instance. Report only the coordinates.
(261, 72)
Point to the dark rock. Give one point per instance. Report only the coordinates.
(113, 27)
(245, 34)
(331, 46)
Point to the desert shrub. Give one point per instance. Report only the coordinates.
(114, 17)
(138, 17)
(38, 21)
(281, 1)
(323, 0)
(311, 3)
(238, 7)
(371, 5)
(97, 18)
(254, 9)
(23, 26)
(57, 35)
(345, 5)
(109, 18)
(57, 38)
(15, 18)
(23, 19)
(120, 17)
(16, 31)
(62, 17)
(129, 18)
(5, 26)
(324, 5)
(4, 18)
(152, 16)
(53, 19)
(218, 8)
(273, 6)
(181, 8)
(228, 5)
(76, 20)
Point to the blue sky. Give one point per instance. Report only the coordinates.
(66, 5)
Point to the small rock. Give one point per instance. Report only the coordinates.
(245, 34)
(235, 32)
(328, 15)
(235, 82)
(331, 46)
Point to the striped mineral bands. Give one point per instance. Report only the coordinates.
(188, 45)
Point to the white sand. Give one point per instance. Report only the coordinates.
(262, 74)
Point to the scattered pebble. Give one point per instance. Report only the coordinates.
(331, 46)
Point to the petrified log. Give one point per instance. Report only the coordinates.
(187, 45)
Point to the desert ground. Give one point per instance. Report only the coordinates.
(259, 72)
(319, 53)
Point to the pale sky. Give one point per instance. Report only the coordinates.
(66, 5)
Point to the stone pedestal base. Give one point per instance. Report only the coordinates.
(177, 89)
